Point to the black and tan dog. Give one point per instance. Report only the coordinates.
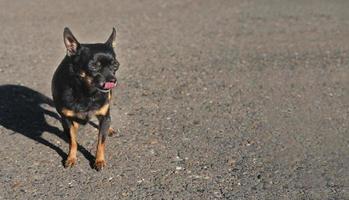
(81, 88)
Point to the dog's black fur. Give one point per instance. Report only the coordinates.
(79, 91)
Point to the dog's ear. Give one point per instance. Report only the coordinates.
(111, 39)
(71, 43)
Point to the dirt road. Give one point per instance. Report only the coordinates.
(217, 100)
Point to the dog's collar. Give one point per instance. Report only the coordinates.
(101, 90)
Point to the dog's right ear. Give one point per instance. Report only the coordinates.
(111, 39)
(71, 43)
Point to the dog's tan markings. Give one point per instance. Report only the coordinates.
(88, 80)
(109, 96)
(68, 113)
(111, 131)
(103, 110)
(73, 146)
(100, 159)
(82, 74)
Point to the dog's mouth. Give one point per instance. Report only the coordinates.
(107, 86)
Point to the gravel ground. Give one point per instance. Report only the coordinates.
(228, 99)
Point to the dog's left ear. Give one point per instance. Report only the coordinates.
(111, 39)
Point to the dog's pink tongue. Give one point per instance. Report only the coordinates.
(109, 85)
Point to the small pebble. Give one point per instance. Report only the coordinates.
(178, 168)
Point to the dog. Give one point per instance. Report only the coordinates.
(82, 88)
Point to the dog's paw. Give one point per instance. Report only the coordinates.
(111, 132)
(70, 162)
(99, 164)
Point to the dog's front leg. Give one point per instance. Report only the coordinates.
(104, 125)
(70, 129)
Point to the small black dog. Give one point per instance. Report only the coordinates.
(81, 88)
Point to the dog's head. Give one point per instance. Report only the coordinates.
(95, 64)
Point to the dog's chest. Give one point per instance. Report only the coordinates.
(85, 116)
(88, 111)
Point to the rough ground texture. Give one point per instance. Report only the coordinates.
(217, 100)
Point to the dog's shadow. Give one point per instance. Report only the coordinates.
(21, 110)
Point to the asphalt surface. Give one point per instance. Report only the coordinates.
(217, 100)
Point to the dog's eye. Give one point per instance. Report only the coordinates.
(96, 66)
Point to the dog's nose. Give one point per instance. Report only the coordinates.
(112, 80)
